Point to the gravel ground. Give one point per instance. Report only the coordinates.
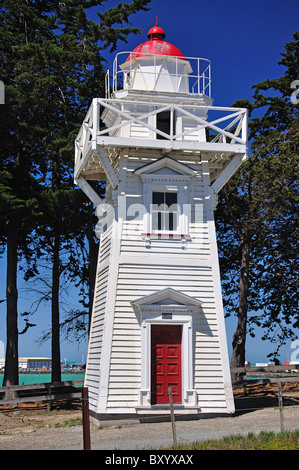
(19, 431)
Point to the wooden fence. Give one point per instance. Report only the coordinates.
(265, 374)
(48, 392)
(253, 371)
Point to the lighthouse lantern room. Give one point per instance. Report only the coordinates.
(165, 152)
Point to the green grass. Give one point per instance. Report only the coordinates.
(69, 422)
(263, 441)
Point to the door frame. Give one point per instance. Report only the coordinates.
(185, 321)
(169, 307)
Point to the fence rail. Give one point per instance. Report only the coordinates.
(48, 392)
(72, 389)
(266, 369)
(259, 374)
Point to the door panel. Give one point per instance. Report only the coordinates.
(166, 363)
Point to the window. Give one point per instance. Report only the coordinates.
(164, 211)
(165, 200)
(164, 123)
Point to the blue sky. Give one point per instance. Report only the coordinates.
(243, 40)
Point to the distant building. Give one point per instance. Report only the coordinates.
(27, 363)
(78, 365)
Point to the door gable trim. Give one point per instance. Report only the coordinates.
(166, 300)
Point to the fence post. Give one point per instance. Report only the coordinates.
(49, 399)
(172, 417)
(280, 406)
(85, 419)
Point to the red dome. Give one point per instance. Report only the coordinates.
(156, 33)
(156, 45)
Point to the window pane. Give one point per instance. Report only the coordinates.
(170, 198)
(156, 220)
(163, 123)
(158, 198)
(174, 222)
(160, 227)
(171, 221)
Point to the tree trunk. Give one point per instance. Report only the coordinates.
(11, 374)
(239, 338)
(56, 367)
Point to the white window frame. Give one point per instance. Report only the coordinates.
(178, 181)
(165, 184)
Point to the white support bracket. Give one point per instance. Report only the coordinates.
(227, 173)
(89, 191)
(107, 166)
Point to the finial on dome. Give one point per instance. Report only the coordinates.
(156, 32)
(155, 46)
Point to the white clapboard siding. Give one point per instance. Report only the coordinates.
(186, 268)
(136, 281)
(139, 131)
(92, 375)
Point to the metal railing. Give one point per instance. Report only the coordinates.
(199, 78)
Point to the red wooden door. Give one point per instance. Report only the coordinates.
(166, 363)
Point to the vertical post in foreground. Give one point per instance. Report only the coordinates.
(280, 406)
(85, 419)
(172, 418)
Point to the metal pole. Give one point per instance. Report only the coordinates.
(172, 418)
(85, 418)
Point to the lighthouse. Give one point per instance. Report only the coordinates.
(165, 151)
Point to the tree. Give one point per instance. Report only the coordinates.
(51, 65)
(257, 218)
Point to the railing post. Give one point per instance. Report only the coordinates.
(244, 132)
(198, 77)
(114, 77)
(95, 121)
(171, 125)
(85, 418)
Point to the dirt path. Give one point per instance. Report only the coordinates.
(37, 429)
(24, 432)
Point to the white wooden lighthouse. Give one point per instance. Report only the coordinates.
(165, 152)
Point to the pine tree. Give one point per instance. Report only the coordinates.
(51, 66)
(257, 218)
